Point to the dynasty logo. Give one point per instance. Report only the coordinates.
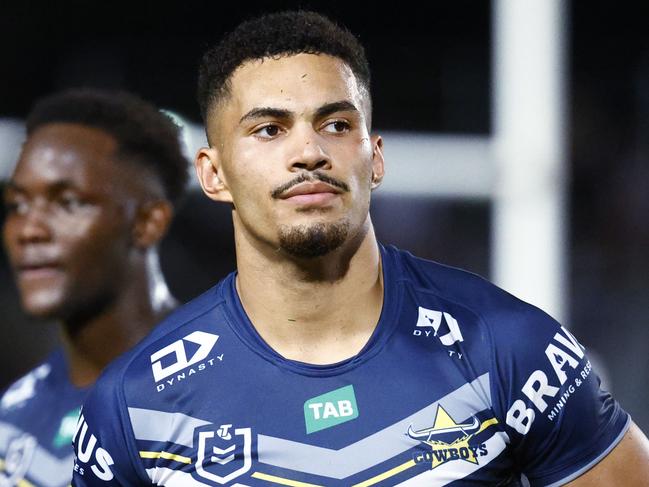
(450, 440)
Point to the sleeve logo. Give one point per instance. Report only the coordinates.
(87, 450)
(429, 318)
(564, 349)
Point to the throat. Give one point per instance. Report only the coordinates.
(319, 324)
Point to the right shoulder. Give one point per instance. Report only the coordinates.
(104, 431)
(147, 361)
(21, 392)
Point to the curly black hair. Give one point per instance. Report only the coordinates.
(273, 35)
(144, 135)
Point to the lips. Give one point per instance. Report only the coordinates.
(38, 269)
(311, 193)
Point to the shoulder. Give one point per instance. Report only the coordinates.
(182, 338)
(514, 331)
(24, 390)
(493, 307)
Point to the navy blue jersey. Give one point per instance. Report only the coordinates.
(460, 383)
(38, 416)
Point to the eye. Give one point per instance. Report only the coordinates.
(269, 131)
(69, 202)
(16, 206)
(15, 202)
(337, 127)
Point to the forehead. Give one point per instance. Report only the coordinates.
(297, 83)
(67, 152)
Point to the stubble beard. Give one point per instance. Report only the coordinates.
(312, 241)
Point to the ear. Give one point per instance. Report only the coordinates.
(378, 162)
(151, 223)
(210, 174)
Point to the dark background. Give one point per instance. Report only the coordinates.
(431, 73)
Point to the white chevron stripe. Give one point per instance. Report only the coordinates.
(463, 402)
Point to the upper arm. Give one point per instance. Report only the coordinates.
(101, 443)
(627, 464)
(559, 421)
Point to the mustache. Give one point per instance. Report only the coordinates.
(309, 177)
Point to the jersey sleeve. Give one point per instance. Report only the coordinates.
(103, 444)
(559, 421)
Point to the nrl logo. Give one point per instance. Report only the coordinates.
(224, 454)
(450, 440)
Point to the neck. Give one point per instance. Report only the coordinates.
(318, 311)
(94, 340)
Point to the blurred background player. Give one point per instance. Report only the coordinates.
(91, 197)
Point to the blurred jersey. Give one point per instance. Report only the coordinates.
(38, 415)
(459, 382)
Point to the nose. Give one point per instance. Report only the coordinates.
(33, 225)
(309, 152)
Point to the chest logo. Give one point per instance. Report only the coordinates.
(174, 357)
(224, 454)
(330, 409)
(450, 440)
(18, 459)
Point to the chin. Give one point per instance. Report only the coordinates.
(43, 306)
(313, 241)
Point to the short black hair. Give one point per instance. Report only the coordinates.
(273, 35)
(144, 134)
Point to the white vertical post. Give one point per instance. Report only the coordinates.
(528, 238)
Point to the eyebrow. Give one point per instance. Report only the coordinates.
(337, 106)
(10, 185)
(57, 187)
(266, 112)
(321, 112)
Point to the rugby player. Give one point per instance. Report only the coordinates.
(90, 199)
(329, 359)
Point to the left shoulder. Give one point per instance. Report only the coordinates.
(495, 309)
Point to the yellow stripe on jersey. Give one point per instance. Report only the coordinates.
(281, 481)
(386, 475)
(166, 456)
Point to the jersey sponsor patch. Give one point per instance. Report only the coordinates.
(90, 456)
(563, 353)
(330, 409)
(432, 323)
(183, 358)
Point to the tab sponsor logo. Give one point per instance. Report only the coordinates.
(67, 429)
(330, 409)
(183, 358)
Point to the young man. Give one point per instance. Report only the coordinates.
(328, 359)
(90, 198)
